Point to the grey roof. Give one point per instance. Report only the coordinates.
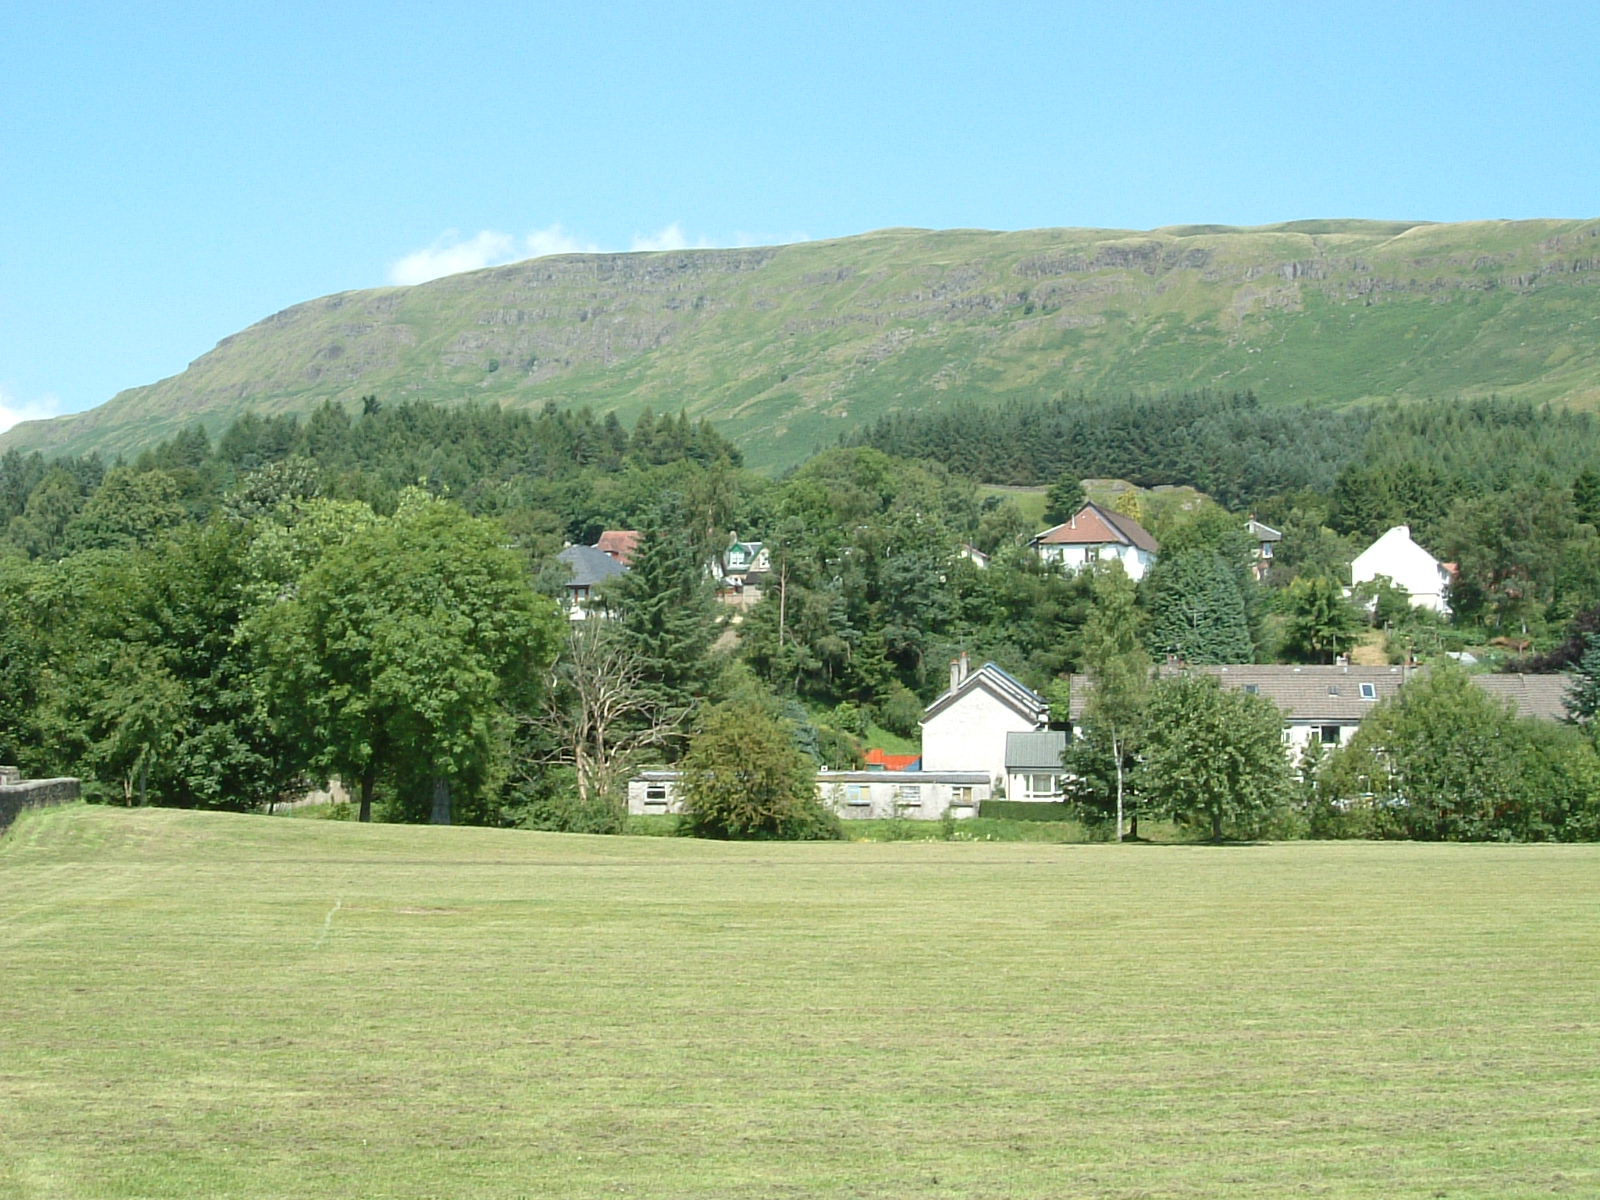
(1001, 684)
(589, 565)
(1262, 533)
(1332, 694)
(904, 777)
(1039, 751)
(1542, 696)
(1307, 694)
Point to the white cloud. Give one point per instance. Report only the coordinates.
(13, 411)
(670, 238)
(451, 254)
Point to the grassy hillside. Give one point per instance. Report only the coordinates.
(787, 346)
(213, 1005)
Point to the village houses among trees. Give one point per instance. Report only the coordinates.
(552, 620)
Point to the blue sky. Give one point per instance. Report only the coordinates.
(174, 172)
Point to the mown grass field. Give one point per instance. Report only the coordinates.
(216, 1005)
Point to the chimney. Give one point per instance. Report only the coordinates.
(958, 671)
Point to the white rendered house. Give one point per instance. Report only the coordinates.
(1095, 534)
(1407, 564)
(965, 729)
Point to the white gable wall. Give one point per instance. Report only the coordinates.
(1407, 564)
(970, 735)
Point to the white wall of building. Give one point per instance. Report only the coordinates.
(970, 735)
(1399, 558)
(1135, 562)
(854, 795)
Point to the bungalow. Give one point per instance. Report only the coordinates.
(1399, 559)
(1095, 534)
(1542, 697)
(854, 795)
(1327, 704)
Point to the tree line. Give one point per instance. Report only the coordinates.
(207, 624)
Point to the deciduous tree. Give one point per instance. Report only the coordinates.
(1118, 670)
(402, 649)
(744, 777)
(1213, 757)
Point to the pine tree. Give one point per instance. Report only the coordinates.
(1197, 610)
(667, 609)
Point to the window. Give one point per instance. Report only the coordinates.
(1253, 688)
(1328, 735)
(908, 795)
(1369, 691)
(1041, 787)
(857, 795)
(1333, 689)
(655, 793)
(961, 795)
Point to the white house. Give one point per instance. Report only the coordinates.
(1095, 534)
(965, 728)
(1407, 564)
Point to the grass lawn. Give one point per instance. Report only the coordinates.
(232, 1006)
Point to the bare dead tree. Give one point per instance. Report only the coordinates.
(599, 713)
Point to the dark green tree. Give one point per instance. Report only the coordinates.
(1583, 697)
(1064, 498)
(1197, 610)
(403, 651)
(1319, 623)
(667, 610)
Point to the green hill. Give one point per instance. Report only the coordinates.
(786, 347)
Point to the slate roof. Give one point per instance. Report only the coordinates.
(1541, 696)
(589, 565)
(1306, 694)
(1092, 525)
(1001, 684)
(1260, 532)
(1331, 694)
(1028, 752)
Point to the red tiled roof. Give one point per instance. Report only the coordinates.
(619, 544)
(1092, 525)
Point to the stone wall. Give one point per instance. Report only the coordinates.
(17, 794)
